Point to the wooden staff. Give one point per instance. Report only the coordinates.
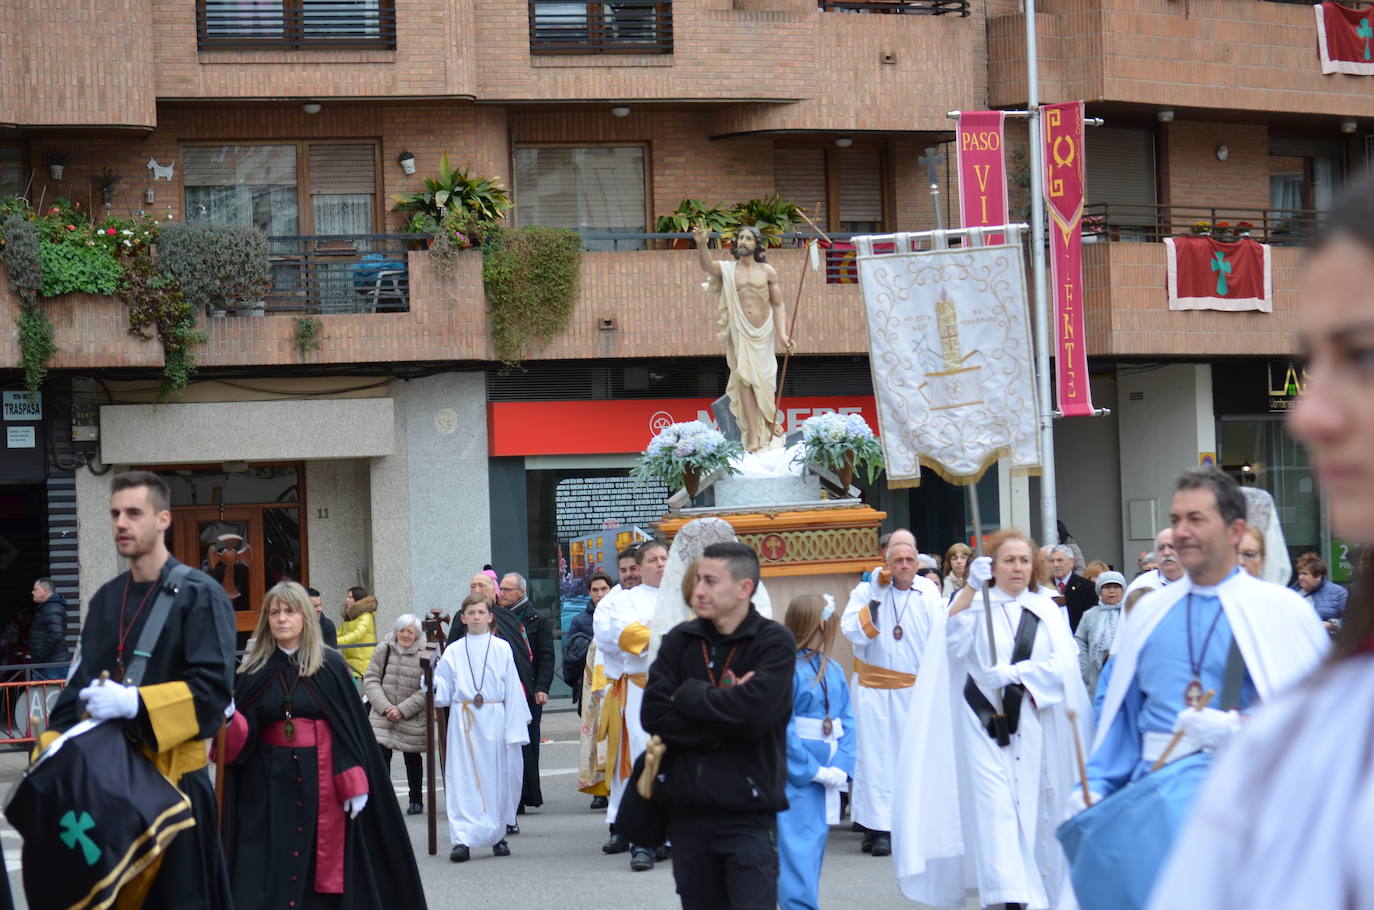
(1178, 737)
(1082, 765)
(435, 640)
(792, 326)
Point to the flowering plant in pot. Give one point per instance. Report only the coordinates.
(840, 443)
(682, 453)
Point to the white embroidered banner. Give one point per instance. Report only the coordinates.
(950, 351)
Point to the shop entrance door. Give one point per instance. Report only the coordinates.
(227, 543)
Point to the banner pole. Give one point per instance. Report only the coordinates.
(1048, 506)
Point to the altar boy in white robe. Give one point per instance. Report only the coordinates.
(973, 815)
(488, 726)
(887, 624)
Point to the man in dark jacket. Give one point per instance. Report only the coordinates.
(329, 633)
(720, 696)
(537, 634)
(48, 633)
(1079, 594)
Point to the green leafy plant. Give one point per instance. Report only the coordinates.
(692, 212)
(36, 347)
(450, 237)
(530, 275)
(23, 257)
(308, 333)
(216, 265)
(482, 198)
(772, 215)
(82, 267)
(158, 309)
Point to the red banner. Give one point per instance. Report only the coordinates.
(1063, 139)
(627, 425)
(1345, 39)
(982, 171)
(1208, 274)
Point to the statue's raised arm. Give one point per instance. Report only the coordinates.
(703, 238)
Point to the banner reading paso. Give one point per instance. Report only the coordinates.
(1063, 139)
(982, 171)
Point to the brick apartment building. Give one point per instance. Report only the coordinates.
(388, 457)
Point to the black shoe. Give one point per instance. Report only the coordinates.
(882, 844)
(460, 854)
(501, 848)
(415, 809)
(866, 845)
(642, 859)
(616, 844)
(663, 853)
(600, 802)
(512, 829)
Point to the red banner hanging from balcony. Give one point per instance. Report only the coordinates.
(1345, 39)
(1210, 274)
(982, 170)
(1063, 140)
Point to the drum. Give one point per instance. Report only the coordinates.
(94, 813)
(1117, 847)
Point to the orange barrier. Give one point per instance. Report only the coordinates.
(19, 701)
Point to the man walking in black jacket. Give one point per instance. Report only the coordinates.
(48, 633)
(719, 696)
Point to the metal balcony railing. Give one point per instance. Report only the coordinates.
(338, 273)
(898, 7)
(296, 24)
(838, 257)
(633, 27)
(1149, 223)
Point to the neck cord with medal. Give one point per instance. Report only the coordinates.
(827, 723)
(288, 700)
(1192, 696)
(727, 676)
(125, 630)
(897, 631)
(477, 700)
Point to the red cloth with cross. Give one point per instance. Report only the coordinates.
(1345, 39)
(1210, 274)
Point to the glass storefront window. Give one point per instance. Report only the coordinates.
(1258, 452)
(215, 487)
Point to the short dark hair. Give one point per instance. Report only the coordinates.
(599, 576)
(1230, 500)
(740, 559)
(628, 553)
(47, 583)
(312, 592)
(358, 592)
(159, 494)
(644, 549)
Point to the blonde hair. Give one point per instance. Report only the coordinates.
(310, 655)
(1094, 569)
(689, 584)
(958, 549)
(803, 620)
(1257, 535)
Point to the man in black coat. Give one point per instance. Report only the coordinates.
(720, 696)
(329, 633)
(1079, 594)
(537, 633)
(48, 633)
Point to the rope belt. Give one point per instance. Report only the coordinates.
(469, 718)
(614, 732)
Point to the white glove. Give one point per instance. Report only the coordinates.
(229, 711)
(980, 572)
(1076, 802)
(110, 701)
(831, 778)
(999, 676)
(1206, 728)
(354, 804)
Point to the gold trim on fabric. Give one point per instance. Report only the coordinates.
(634, 638)
(130, 865)
(171, 713)
(875, 677)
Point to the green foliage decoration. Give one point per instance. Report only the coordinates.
(158, 309)
(216, 265)
(689, 213)
(530, 275)
(482, 199)
(309, 330)
(24, 264)
(77, 268)
(772, 215)
(36, 348)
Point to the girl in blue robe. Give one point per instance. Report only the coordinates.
(820, 752)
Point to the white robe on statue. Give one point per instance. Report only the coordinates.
(971, 816)
(749, 353)
(621, 630)
(880, 713)
(485, 768)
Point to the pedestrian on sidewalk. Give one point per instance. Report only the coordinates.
(358, 634)
(397, 698)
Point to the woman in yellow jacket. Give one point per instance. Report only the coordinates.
(359, 628)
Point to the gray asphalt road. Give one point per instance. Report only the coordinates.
(556, 860)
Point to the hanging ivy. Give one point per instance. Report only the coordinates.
(308, 333)
(23, 262)
(158, 309)
(530, 275)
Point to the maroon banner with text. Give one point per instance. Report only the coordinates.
(1345, 39)
(1063, 139)
(982, 171)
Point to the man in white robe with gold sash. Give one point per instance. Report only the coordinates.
(621, 632)
(887, 625)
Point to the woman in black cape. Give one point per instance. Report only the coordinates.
(295, 836)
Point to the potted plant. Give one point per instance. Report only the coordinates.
(1243, 228)
(772, 215)
(1222, 231)
(56, 162)
(682, 453)
(690, 213)
(481, 198)
(106, 181)
(1093, 228)
(841, 442)
(1202, 228)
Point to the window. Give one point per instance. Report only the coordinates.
(627, 27)
(12, 182)
(343, 184)
(594, 190)
(848, 183)
(296, 23)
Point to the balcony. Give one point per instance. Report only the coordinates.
(295, 24)
(341, 273)
(898, 7)
(561, 27)
(1130, 222)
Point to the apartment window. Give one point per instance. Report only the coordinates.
(597, 190)
(849, 185)
(263, 186)
(12, 181)
(296, 23)
(627, 27)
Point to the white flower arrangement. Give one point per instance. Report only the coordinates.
(837, 441)
(683, 447)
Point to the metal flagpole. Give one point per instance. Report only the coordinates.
(1048, 505)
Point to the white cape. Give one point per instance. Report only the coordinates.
(1278, 633)
(934, 833)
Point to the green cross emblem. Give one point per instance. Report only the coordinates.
(74, 833)
(1365, 32)
(1222, 268)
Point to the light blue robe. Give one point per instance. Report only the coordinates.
(1156, 694)
(802, 830)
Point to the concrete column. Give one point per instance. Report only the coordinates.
(1013, 497)
(1087, 452)
(95, 547)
